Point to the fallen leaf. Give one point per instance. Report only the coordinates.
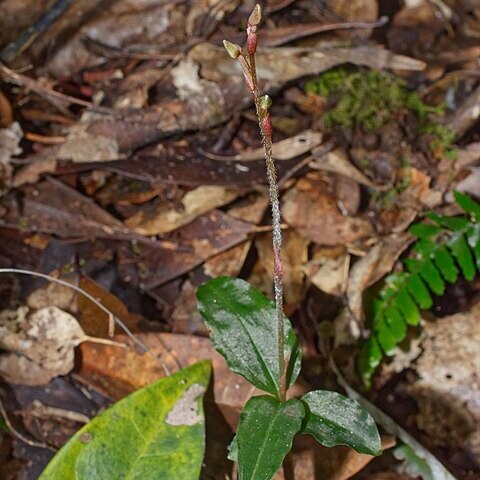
(337, 162)
(328, 270)
(294, 257)
(162, 217)
(373, 266)
(41, 345)
(311, 210)
(206, 236)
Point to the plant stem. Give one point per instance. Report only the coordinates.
(276, 226)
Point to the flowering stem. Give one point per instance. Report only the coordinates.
(262, 106)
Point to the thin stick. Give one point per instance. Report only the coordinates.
(20, 436)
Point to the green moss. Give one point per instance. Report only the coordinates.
(370, 99)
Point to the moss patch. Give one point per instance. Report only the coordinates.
(369, 99)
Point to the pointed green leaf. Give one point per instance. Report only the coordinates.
(432, 278)
(385, 338)
(424, 247)
(397, 323)
(419, 292)
(156, 432)
(233, 450)
(424, 230)
(369, 359)
(445, 263)
(243, 325)
(265, 435)
(408, 308)
(459, 248)
(468, 204)
(333, 419)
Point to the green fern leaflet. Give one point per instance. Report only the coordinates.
(445, 248)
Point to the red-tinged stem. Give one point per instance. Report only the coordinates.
(264, 122)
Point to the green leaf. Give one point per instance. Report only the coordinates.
(397, 323)
(473, 239)
(408, 308)
(369, 359)
(432, 278)
(424, 230)
(385, 338)
(468, 204)
(455, 224)
(265, 435)
(233, 450)
(243, 326)
(459, 248)
(419, 292)
(333, 419)
(156, 432)
(445, 263)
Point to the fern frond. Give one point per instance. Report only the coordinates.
(444, 248)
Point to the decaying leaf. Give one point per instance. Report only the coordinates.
(328, 269)
(10, 138)
(373, 266)
(294, 256)
(163, 218)
(314, 213)
(40, 345)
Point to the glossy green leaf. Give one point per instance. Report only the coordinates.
(445, 263)
(333, 419)
(243, 326)
(432, 278)
(459, 248)
(468, 204)
(265, 435)
(156, 432)
(419, 292)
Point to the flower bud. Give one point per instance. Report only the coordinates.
(252, 40)
(256, 16)
(265, 103)
(267, 128)
(232, 49)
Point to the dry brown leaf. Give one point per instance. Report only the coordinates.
(311, 210)
(294, 257)
(336, 161)
(45, 340)
(373, 266)
(328, 270)
(229, 262)
(163, 218)
(40, 346)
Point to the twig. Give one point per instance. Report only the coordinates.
(19, 435)
(41, 25)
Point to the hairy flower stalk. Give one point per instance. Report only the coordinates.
(262, 106)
